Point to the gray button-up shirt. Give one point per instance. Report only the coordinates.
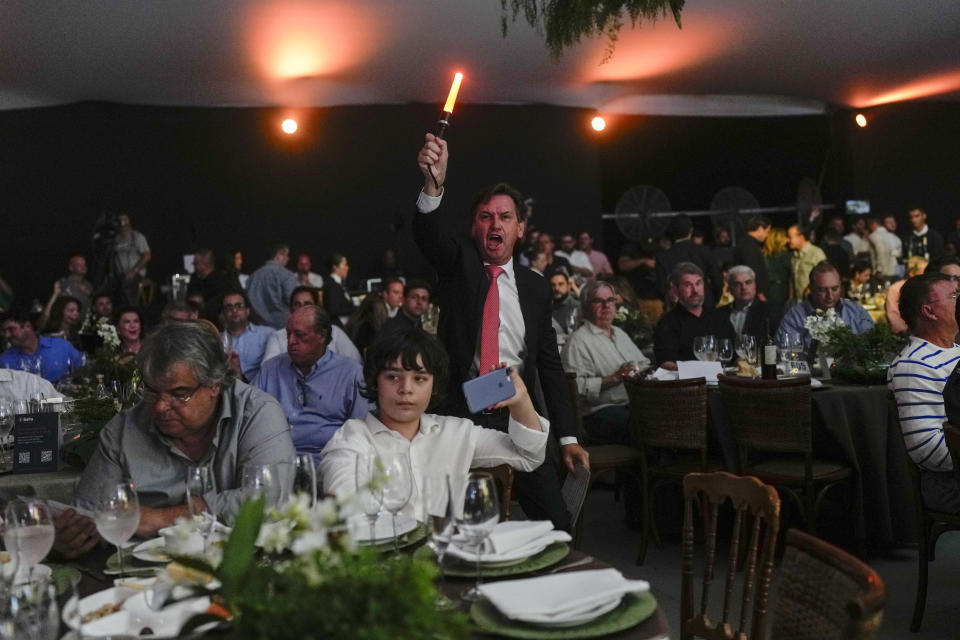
(250, 429)
(269, 289)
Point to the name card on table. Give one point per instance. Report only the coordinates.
(36, 445)
(697, 369)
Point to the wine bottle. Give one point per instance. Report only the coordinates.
(768, 362)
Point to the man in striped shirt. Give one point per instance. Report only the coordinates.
(917, 377)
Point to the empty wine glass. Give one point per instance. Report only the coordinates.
(481, 512)
(199, 483)
(305, 476)
(28, 528)
(705, 348)
(438, 515)
(117, 516)
(725, 351)
(397, 488)
(369, 475)
(261, 480)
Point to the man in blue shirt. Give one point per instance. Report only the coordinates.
(245, 342)
(270, 287)
(825, 293)
(318, 389)
(55, 357)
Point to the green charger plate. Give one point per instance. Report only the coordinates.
(132, 567)
(407, 539)
(634, 609)
(63, 576)
(546, 558)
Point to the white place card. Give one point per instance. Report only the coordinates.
(697, 369)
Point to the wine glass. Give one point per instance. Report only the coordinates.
(369, 475)
(725, 351)
(28, 528)
(398, 487)
(261, 480)
(305, 476)
(705, 348)
(439, 516)
(481, 512)
(117, 516)
(9, 565)
(226, 341)
(199, 483)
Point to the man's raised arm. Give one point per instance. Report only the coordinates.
(432, 161)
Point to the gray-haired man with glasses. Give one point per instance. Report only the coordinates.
(193, 413)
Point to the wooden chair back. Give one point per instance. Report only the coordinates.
(669, 413)
(825, 593)
(577, 407)
(754, 501)
(769, 415)
(503, 476)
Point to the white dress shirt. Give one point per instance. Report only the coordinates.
(592, 354)
(887, 249)
(20, 385)
(443, 445)
(576, 258)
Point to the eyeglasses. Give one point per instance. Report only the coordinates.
(177, 398)
(603, 301)
(240, 306)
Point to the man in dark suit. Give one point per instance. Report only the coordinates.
(416, 299)
(749, 251)
(747, 314)
(684, 249)
(336, 300)
(494, 311)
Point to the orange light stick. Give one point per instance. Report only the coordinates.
(444, 121)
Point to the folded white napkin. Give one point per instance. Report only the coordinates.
(687, 369)
(815, 383)
(664, 374)
(511, 540)
(555, 597)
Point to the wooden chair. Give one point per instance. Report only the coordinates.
(825, 593)
(761, 504)
(605, 459)
(931, 524)
(504, 477)
(774, 416)
(668, 414)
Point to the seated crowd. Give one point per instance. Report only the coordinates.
(286, 364)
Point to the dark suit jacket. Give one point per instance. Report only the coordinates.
(757, 316)
(462, 290)
(749, 252)
(688, 251)
(335, 301)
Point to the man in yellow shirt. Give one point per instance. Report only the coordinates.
(806, 256)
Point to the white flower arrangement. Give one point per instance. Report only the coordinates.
(296, 527)
(821, 325)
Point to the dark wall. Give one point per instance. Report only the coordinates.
(228, 178)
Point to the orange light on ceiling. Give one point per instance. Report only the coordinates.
(861, 120)
(289, 126)
(598, 124)
(921, 88)
(454, 90)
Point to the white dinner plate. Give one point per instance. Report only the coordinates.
(382, 530)
(134, 615)
(153, 550)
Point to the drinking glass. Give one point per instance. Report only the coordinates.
(21, 406)
(481, 512)
(28, 528)
(791, 346)
(258, 480)
(226, 341)
(199, 483)
(369, 476)
(398, 487)
(705, 348)
(305, 476)
(32, 364)
(31, 612)
(9, 565)
(725, 351)
(439, 516)
(6, 427)
(117, 516)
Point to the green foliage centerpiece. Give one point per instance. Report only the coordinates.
(858, 358)
(296, 573)
(564, 22)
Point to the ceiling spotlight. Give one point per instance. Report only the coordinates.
(598, 124)
(861, 120)
(289, 126)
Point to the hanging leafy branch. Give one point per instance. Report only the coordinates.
(564, 22)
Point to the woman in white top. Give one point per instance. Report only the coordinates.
(403, 374)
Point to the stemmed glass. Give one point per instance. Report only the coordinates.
(369, 475)
(6, 426)
(258, 480)
(481, 512)
(305, 476)
(9, 565)
(32, 364)
(438, 514)
(28, 528)
(705, 348)
(398, 487)
(725, 351)
(117, 516)
(199, 483)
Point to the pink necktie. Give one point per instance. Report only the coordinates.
(490, 324)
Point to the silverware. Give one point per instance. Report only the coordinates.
(575, 563)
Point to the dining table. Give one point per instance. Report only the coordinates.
(850, 423)
(654, 627)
